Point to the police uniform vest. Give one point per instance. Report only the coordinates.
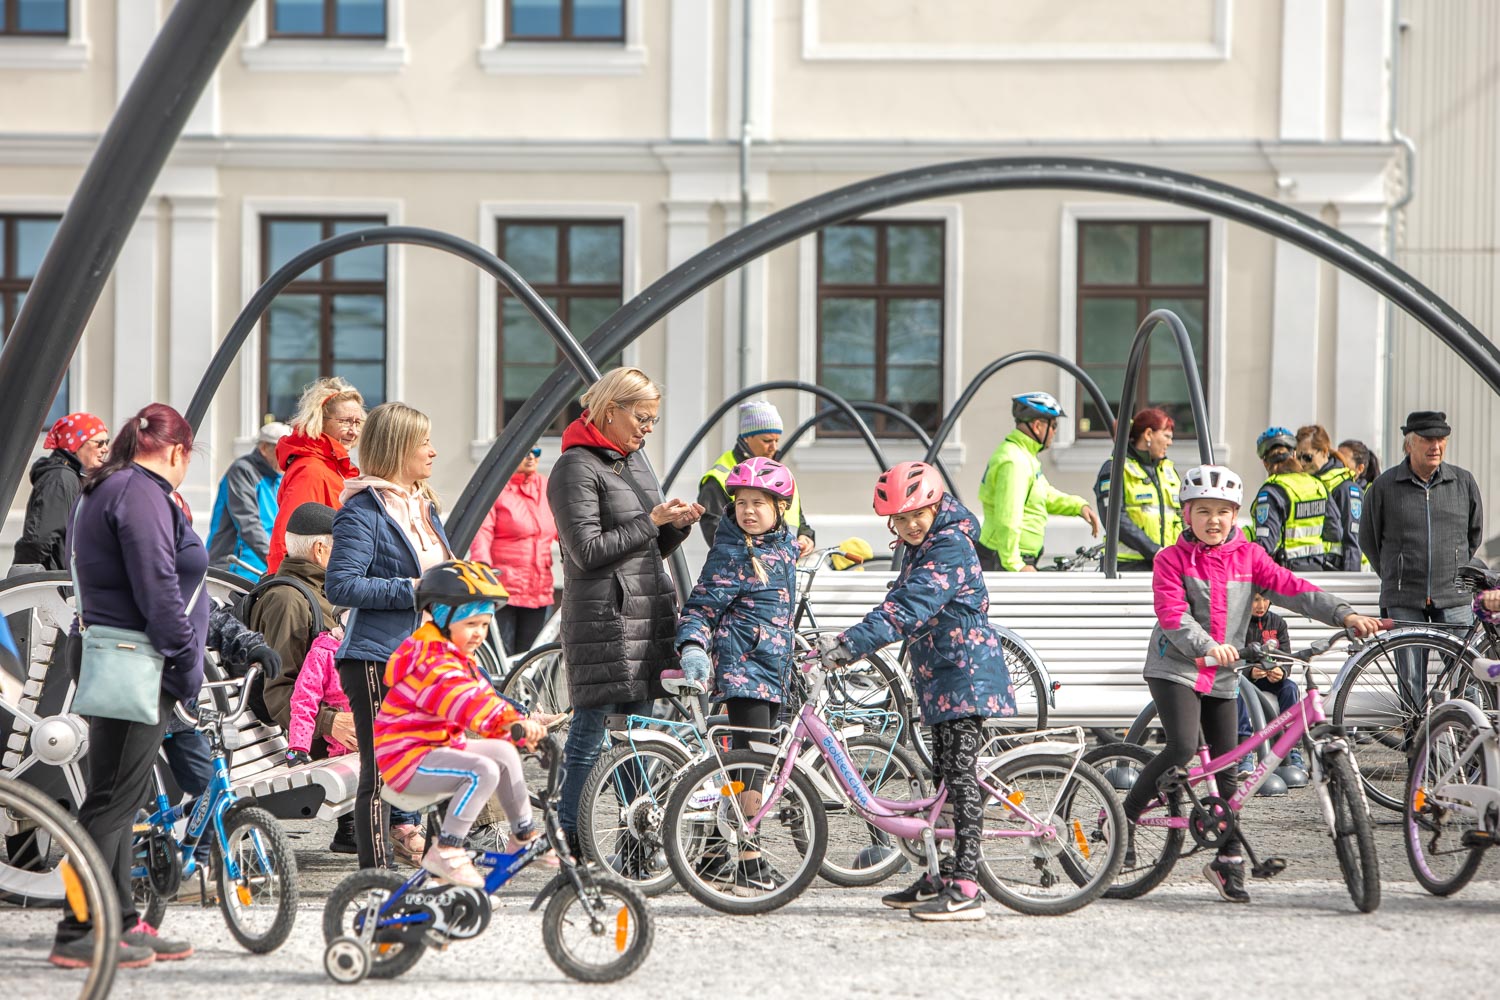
(720, 474)
(1302, 534)
(1152, 506)
(1332, 479)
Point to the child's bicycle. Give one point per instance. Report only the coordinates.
(1452, 808)
(1155, 842)
(253, 862)
(1052, 839)
(596, 928)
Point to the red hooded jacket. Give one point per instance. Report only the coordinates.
(315, 472)
(516, 539)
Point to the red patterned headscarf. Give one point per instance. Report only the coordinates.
(71, 432)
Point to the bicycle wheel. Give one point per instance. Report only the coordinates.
(259, 902)
(1436, 822)
(704, 845)
(1046, 876)
(83, 881)
(600, 936)
(859, 853)
(539, 682)
(1353, 833)
(622, 808)
(343, 915)
(1381, 717)
(1151, 852)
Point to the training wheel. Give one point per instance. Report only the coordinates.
(345, 960)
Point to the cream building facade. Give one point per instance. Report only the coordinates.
(595, 166)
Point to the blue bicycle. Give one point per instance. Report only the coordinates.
(251, 858)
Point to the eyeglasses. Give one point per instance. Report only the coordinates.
(1306, 456)
(99, 442)
(355, 422)
(646, 421)
(536, 453)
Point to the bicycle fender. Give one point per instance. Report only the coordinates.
(1438, 638)
(549, 890)
(1481, 724)
(1036, 659)
(1047, 748)
(649, 736)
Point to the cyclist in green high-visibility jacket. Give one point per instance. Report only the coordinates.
(1014, 495)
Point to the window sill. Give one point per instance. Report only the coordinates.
(564, 59)
(317, 56)
(841, 454)
(43, 53)
(1088, 455)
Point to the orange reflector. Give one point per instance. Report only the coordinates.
(733, 788)
(1083, 845)
(622, 928)
(384, 949)
(243, 892)
(1016, 797)
(73, 889)
(1419, 800)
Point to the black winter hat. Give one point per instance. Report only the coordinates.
(311, 518)
(1428, 423)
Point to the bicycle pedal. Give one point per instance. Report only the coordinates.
(1478, 838)
(1269, 868)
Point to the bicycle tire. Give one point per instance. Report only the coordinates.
(1425, 822)
(1089, 819)
(1353, 832)
(684, 820)
(387, 961)
(95, 879)
(543, 690)
(600, 842)
(280, 868)
(633, 923)
(1136, 876)
(896, 769)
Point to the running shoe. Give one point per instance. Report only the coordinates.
(950, 904)
(1229, 878)
(921, 891)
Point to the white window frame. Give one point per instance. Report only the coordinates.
(251, 279)
(49, 51)
(486, 384)
(260, 52)
(497, 55)
(847, 453)
(1068, 451)
(53, 205)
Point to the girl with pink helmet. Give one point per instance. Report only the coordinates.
(737, 627)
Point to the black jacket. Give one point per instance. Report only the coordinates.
(619, 608)
(55, 481)
(1418, 535)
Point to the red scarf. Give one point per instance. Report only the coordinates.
(583, 433)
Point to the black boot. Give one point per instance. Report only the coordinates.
(343, 837)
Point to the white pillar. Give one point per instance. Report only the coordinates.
(1304, 68)
(687, 328)
(1294, 336)
(1359, 345)
(136, 312)
(1364, 104)
(192, 316)
(691, 97)
(136, 25)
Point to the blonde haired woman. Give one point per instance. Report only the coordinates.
(385, 536)
(619, 607)
(315, 456)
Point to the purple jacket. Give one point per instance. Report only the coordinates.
(138, 563)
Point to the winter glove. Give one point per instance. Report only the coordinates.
(833, 652)
(295, 757)
(696, 666)
(268, 658)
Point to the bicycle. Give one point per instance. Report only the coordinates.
(377, 924)
(252, 859)
(1155, 841)
(1039, 859)
(1451, 810)
(1083, 559)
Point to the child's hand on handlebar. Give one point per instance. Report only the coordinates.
(532, 732)
(1224, 653)
(1362, 625)
(1490, 601)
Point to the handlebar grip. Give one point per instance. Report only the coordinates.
(518, 734)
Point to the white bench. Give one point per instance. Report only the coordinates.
(1090, 632)
(323, 789)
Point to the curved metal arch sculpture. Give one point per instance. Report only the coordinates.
(900, 416)
(969, 177)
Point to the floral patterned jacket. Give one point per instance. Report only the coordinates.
(744, 623)
(938, 604)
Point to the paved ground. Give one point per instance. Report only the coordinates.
(842, 942)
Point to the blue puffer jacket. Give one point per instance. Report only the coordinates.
(938, 605)
(745, 624)
(371, 570)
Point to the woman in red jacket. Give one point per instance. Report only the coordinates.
(516, 540)
(315, 456)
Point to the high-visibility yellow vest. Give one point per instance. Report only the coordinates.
(1152, 506)
(1302, 534)
(1332, 479)
(720, 474)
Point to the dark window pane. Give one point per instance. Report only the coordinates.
(284, 386)
(914, 331)
(43, 17)
(848, 331)
(852, 383)
(358, 328)
(848, 255)
(598, 18)
(1163, 344)
(1179, 254)
(594, 255)
(914, 255)
(292, 328)
(368, 377)
(523, 381)
(531, 250)
(1110, 254)
(525, 342)
(360, 17)
(59, 407)
(1108, 325)
(585, 314)
(913, 385)
(536, 17)
(289, 237)
(1111, 381)
(1168, 389)
(33, 236)
(298, 17)
(364, 264)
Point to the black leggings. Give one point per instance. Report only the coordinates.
(955, 750)
(1183, 714)
(365, 689)
(751, 713)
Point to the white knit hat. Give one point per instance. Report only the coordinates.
(757, 416)
(273, 432)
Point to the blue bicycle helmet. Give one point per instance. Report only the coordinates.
(1273, 438)
(1035, 406)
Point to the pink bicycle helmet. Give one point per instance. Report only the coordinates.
(762, 474)
(908, 486)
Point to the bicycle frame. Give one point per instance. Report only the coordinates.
(207, 817)
(1464, 797)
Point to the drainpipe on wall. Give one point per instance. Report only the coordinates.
(744, 303)
(1388, 419)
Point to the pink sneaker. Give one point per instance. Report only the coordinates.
(452, 865)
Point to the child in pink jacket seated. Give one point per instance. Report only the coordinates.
(317, 684)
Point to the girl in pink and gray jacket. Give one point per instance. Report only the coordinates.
(317, 684)
(1202, 586)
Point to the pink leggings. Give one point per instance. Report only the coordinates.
(483, 768)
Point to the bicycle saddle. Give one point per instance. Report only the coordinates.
(413, 802)
(1485, 670)
(673, 682)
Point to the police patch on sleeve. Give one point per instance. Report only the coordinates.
(1262, 511)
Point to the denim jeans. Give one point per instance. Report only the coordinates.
(585, 741)
(1411, 666)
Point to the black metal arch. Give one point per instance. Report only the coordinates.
(900, 416)
(968, 177)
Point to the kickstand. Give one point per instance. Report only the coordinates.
(203, 886)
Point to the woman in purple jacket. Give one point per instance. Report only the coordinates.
(139, 565)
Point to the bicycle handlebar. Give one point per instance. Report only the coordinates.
(1256, 652)
(210, 717)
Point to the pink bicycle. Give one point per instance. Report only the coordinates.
(1052, 824)
(1154, 844)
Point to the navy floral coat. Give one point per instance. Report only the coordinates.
(745, 624)
(938, 604)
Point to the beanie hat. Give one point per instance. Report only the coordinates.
(758, 416)
(73, 431)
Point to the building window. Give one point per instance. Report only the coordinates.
(577, 267)
(23, 242)
(327, 19)
(330, 321)
(1125, 270)
(880, 320)
(34, 17)
(565, 20)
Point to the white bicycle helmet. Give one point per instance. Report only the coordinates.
(1211, 482)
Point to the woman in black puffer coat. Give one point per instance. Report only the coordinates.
(619, 607)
